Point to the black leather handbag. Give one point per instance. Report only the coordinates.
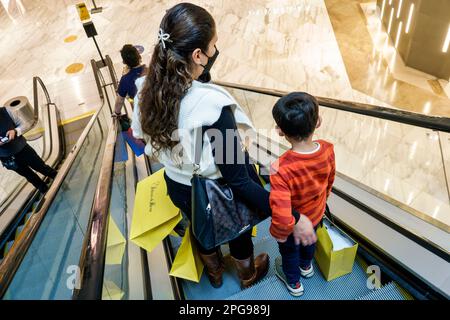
(218, 216)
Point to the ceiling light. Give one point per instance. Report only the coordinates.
(408, 24)
(383, 6)
(399, 30)
(399, 8)
(390, 20)
(447, 41)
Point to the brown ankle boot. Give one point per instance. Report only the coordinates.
(252, 270)
(215, 266)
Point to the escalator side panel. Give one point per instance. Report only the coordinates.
(49, 267)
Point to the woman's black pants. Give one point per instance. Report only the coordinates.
(180, 194)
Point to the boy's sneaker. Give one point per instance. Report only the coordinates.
(307, 273)
(295, 289)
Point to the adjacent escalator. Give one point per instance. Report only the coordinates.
(46, 136)
(39, 264)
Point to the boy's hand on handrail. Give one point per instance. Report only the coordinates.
(304, 232)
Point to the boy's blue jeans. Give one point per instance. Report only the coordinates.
(294, 256)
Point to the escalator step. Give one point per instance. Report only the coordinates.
(348, 287)
(28, 216)
(19, 230)
(390, 291)
(7, 247)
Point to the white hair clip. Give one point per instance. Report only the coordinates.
(163, 37)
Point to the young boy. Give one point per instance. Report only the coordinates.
(300, 179)
(134, 69)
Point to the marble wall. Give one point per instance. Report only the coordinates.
(287, 45)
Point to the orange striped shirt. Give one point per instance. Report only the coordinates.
(302, 182)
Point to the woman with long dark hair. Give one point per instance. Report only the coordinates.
(172, 104)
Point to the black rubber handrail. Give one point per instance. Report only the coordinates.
(401, 116)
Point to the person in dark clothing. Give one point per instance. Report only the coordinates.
(134, 69)
(17, 155)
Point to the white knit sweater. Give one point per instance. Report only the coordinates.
(201, 106)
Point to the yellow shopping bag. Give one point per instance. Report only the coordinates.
(116, 243)
(263, 182)
(254, 231)
(335, 251)
(187, 263)
(111, 291)
(154, 214)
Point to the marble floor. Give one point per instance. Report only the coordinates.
(330, 48)
(281, 44)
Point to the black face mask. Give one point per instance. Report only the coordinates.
(210, 63)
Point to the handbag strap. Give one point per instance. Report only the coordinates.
(244, 149)
(198, 148)
(198, 145)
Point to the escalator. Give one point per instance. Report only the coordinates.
(409, 248)
(76, 245)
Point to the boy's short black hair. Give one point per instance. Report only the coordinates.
(296, 114)
(130, 55)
